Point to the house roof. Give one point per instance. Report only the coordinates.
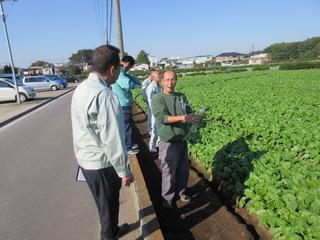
(230, 54)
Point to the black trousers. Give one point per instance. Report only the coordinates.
(105, 185)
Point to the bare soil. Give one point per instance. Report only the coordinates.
(206, 217)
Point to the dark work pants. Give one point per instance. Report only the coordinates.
(174, 168)
(127, 113)
(105, 185)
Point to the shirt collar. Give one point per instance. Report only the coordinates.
(94, 77)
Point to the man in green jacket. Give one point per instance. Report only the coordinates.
(172, 113)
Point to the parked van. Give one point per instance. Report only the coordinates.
(8, 91)
(41, 83)
(57, 78)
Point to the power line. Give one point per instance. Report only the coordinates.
(96, 6)
(103, 10)
(10, 9)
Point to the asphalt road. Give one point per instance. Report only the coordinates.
(39, 198)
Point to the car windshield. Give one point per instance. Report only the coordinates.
(19, 82)
(54, 77)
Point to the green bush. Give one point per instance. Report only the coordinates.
(299, 65)
(81, 76)
(139, 73)
(260, 68)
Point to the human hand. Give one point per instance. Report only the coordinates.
(126, 181)
(191, 118)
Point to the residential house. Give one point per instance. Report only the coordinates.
(40, 70)
(189, 62)
(229, 58)
(59, 68)
(154, 61)
(167, 63)
(140, 67)
(185, 64)
(201, 59)
(259, 58)
(84, 67)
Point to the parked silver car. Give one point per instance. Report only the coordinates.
(8, 91)
(41, 83)
(9, 76)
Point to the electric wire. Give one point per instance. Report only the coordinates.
(103, 10)
(9, 10)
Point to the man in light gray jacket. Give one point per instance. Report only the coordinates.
(98, 138)
(153, 88)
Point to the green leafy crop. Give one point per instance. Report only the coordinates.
(262, 143)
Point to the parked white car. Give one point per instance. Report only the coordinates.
(41, 83)
(8, 91)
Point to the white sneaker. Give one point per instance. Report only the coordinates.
(153, 150)
(133, 151)
(135, 146)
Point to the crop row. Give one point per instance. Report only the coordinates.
(262, 143)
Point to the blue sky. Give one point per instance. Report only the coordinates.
(53, 30)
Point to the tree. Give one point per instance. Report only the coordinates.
(7, 69)
(73, 70)
(142, 57)
(39, 63)
(82, 56)
(294, 50)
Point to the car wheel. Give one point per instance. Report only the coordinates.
(54, 87)
(23, 97)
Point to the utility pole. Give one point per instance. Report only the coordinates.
(107, 22)
(9, 49)
(118, 27)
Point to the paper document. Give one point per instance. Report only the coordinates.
(80, 176)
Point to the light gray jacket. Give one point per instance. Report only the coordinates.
(98, 127)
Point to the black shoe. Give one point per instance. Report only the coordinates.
(123, 229)
(167, 204)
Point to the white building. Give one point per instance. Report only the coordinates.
(229, 58)
(167, 63)
(140, 67)
(201, 59)
(259, 59)
(154, 61)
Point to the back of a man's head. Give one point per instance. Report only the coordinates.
(104, 57)
(128, 59)
(153, 73)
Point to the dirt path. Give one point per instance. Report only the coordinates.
(205, 218)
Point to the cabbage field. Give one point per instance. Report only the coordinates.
(262, 143)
